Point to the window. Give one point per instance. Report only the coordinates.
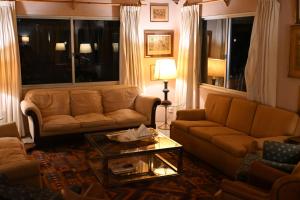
(48, 55)
(226, 44)
(45, 51)
(96, 50)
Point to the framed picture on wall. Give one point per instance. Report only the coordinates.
(159, 12)
(158, 43)
(294, 69)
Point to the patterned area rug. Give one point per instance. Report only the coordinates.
(66, 166)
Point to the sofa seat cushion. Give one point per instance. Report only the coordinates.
(10, 142)
(127, 117)
(207, 133)
(60, 123)
(85, 101)
(185, 124)
(11, 155)
(236, 145)
(94, 120)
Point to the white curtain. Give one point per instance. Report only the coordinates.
(187, 90)
(261, 67)
(130, 58)
(10, 79)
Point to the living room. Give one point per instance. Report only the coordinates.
(89, 67)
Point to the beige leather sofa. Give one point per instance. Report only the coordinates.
(14, 162)
(228, 128)
(86, 109)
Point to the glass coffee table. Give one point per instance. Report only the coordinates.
(117, 163)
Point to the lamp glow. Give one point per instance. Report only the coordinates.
(115, 47)
(85, 48)
(216, 68)
(60, 47)
(25, 39)
(165, 69)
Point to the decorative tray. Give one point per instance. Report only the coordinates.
(125, 136)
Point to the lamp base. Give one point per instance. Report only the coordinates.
(166, 102)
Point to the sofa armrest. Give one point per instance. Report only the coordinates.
(191, 115)
(35, 120)
(147, 106)
(286, 187)
(241, 190)
(9, 130)
(20, 169)
(264, 176)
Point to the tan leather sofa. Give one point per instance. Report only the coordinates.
(228, 128)
(264, 183)
(86, 109)
(14, 162)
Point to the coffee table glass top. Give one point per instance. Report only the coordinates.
(110, 148)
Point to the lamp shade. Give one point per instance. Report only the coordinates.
(216, 67)
(85, 48)
(25, 38)
(165, 69)
(60, 46)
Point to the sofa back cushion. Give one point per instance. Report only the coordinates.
(118, 98)
(269, 121)
(50, 102)
(85, 101)
(217, 108)
(241, 115)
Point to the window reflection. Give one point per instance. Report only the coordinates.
(45, 51)
(96, 50)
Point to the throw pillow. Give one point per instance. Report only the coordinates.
(281, 166)
(281, 152)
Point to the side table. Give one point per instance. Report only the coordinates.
(166, 125)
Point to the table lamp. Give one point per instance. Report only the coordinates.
(216, 68)
(85, 48)
(165, 69)
(60, 46)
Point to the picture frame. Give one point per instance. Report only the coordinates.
(294, 67)
(158, 43)
(159, 12)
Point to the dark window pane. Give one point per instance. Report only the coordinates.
(45, 51)
(241, 29)
(96, 50)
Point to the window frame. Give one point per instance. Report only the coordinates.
(71, 20)
(227, 53)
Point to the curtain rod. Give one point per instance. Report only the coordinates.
(227, 2)
(85, 2)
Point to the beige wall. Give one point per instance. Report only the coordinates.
(287, 88)
(155, 87)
